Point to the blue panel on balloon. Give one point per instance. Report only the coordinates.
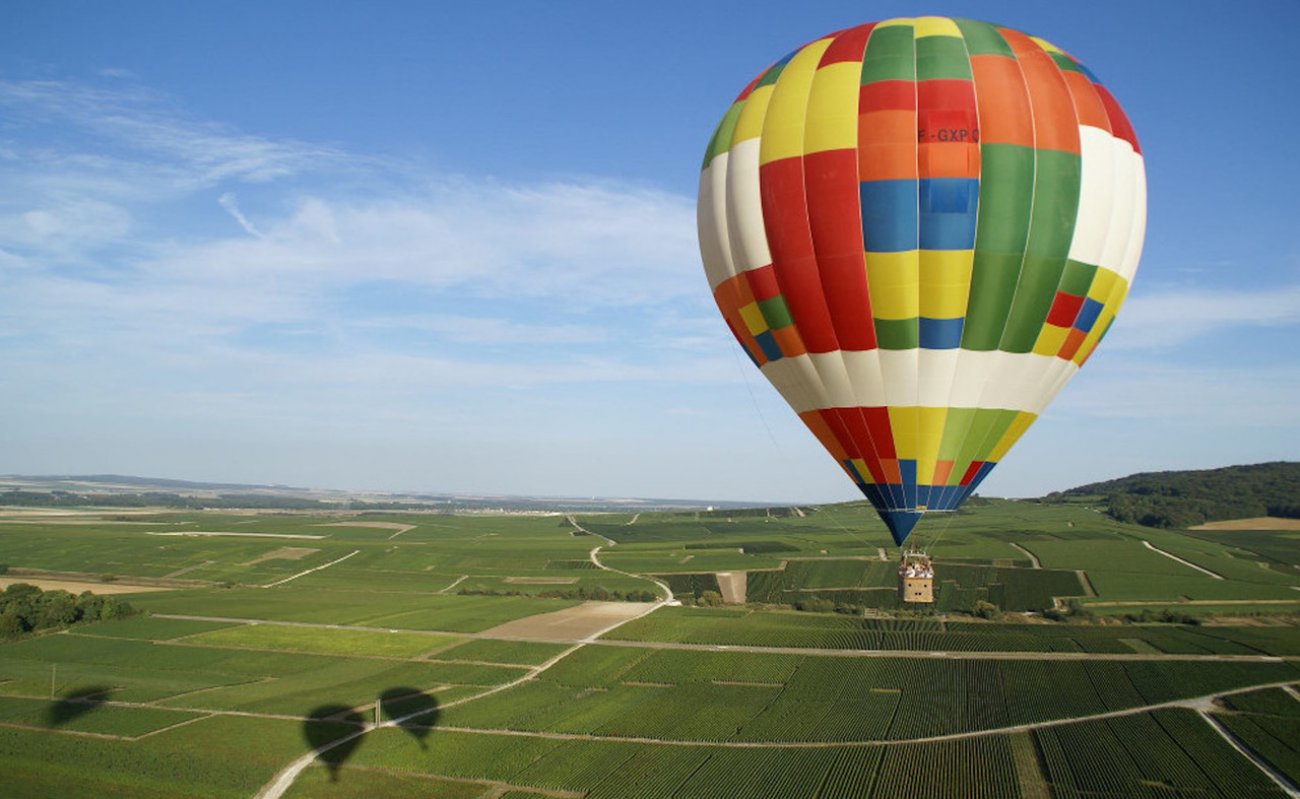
(948, 213)
(907, 469)
(924, 496)
(941, 334)
(767, 342)
(1087, 315)
(958, 497)
(888, 215)
(872, 492)
(949, 498)
(900, 523)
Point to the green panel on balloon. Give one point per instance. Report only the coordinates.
(721, 141)
(1005, 202)
(1077, 278)
(983, 39)
(986, 429)
(1064, 62)
(1006, 197)
(771, 75)
(898, 334)
(993, 284)
(890, 55)
(956, 428)
(1056, 205)
(941, 58)
(775, 313)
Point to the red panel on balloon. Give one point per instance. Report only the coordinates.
(786, 216)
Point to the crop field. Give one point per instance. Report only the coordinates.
(280, 634)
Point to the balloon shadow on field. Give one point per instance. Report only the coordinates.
(334, 733)
(76, 703)
(419, 711)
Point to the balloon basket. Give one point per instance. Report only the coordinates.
(916, 578)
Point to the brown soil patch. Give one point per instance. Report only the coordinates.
(77, 586)
(541, 580)
(284, 553)
(733, 585)
(582, 621)
(1257, 523)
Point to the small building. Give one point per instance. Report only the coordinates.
(916, 578)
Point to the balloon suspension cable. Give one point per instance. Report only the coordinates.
(776, 445)
(753, 398)
(942, 531)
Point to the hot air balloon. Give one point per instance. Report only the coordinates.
(919, 230)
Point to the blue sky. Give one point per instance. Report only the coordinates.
(451, 247)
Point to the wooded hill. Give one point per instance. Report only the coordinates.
(1185, 499)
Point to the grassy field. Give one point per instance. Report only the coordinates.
(282, 639)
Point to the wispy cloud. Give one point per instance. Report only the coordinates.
(1215, 396)
(358, 272)
(133, 119)
(1165, 319)
(228, 202)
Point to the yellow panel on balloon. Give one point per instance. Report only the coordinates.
(935, 26)
(931, 423)
(833, 108)
(892, 279)
(783, 129)
(1018, 427)
(750, 124)
(945, 282)
(903, 422)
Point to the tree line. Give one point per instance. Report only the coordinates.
(1189, 498)
(25, 608)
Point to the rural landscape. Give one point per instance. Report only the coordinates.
(478, 653)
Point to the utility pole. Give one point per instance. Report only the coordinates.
(54, 670)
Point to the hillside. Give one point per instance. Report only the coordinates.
(1187, 498)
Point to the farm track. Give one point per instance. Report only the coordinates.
(1032, 557)
(767, 650)
(293, 577)
(1201, 704)
(1186, 563)
(285, 778)
(1273, 774)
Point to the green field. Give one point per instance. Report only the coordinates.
(268, 646)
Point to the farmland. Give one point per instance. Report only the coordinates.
(287, 629)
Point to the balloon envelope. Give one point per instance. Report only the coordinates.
(919, 230)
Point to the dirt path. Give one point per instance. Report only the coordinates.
(281, 782)
(733, 586)
(1194, 703)
(764, 650)
(1198, 703)
(188, 569)
(1281, 781)
(1032, 557)
(309, 571)
(1187, 563)
(580, 529)
(1088, 590)
(458, 581)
